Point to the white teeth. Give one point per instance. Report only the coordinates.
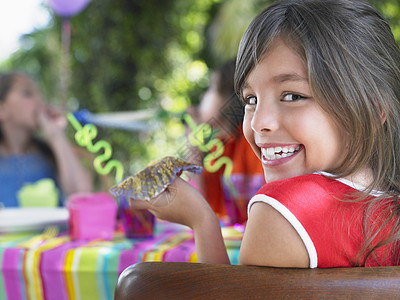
(274, 153)
(270, 151)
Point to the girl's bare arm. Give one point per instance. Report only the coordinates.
(270, 240)
(72, 175)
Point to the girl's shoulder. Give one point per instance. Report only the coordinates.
(306, 184)
(321, 210)
(311, 205)
(316, 182)
(310, 194)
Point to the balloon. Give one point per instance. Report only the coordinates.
(68, 8)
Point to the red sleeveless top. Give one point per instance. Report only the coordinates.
(332, 230)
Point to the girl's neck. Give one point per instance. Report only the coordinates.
(16, 142)
(364, 177)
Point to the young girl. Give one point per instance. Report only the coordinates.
(320, 80)
(24, 158)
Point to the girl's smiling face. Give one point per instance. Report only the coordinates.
(284, 124)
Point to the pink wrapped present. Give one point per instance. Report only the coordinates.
(92, 216)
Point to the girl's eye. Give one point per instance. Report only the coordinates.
(250, 100)
(292, 97)
(27, 93)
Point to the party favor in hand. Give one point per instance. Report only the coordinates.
(154, 179)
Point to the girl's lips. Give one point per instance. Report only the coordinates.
(279, 154)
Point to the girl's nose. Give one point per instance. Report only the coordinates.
(40, 100)
(265, 119)
(40, 103)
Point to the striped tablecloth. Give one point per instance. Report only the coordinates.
(58, 268)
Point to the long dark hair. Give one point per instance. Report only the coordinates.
(6, 83)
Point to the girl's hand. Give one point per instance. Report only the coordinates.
(51, 121)
(179, 203)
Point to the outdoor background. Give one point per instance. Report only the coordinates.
(130, 55)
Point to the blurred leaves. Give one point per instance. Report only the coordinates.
(230, 24)
(390, 9)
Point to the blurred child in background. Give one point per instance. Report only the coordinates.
(223, 111)
(24, 157)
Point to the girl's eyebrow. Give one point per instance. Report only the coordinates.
(282, 78)
(245, 85)
(289, 77)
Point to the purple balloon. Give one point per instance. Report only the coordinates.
(68, 8)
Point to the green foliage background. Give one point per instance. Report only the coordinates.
(136, 54)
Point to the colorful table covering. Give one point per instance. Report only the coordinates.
(55, 267)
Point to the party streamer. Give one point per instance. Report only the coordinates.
(214, 160)
(84, 137)
(198, 138)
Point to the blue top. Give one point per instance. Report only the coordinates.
(17, 170)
